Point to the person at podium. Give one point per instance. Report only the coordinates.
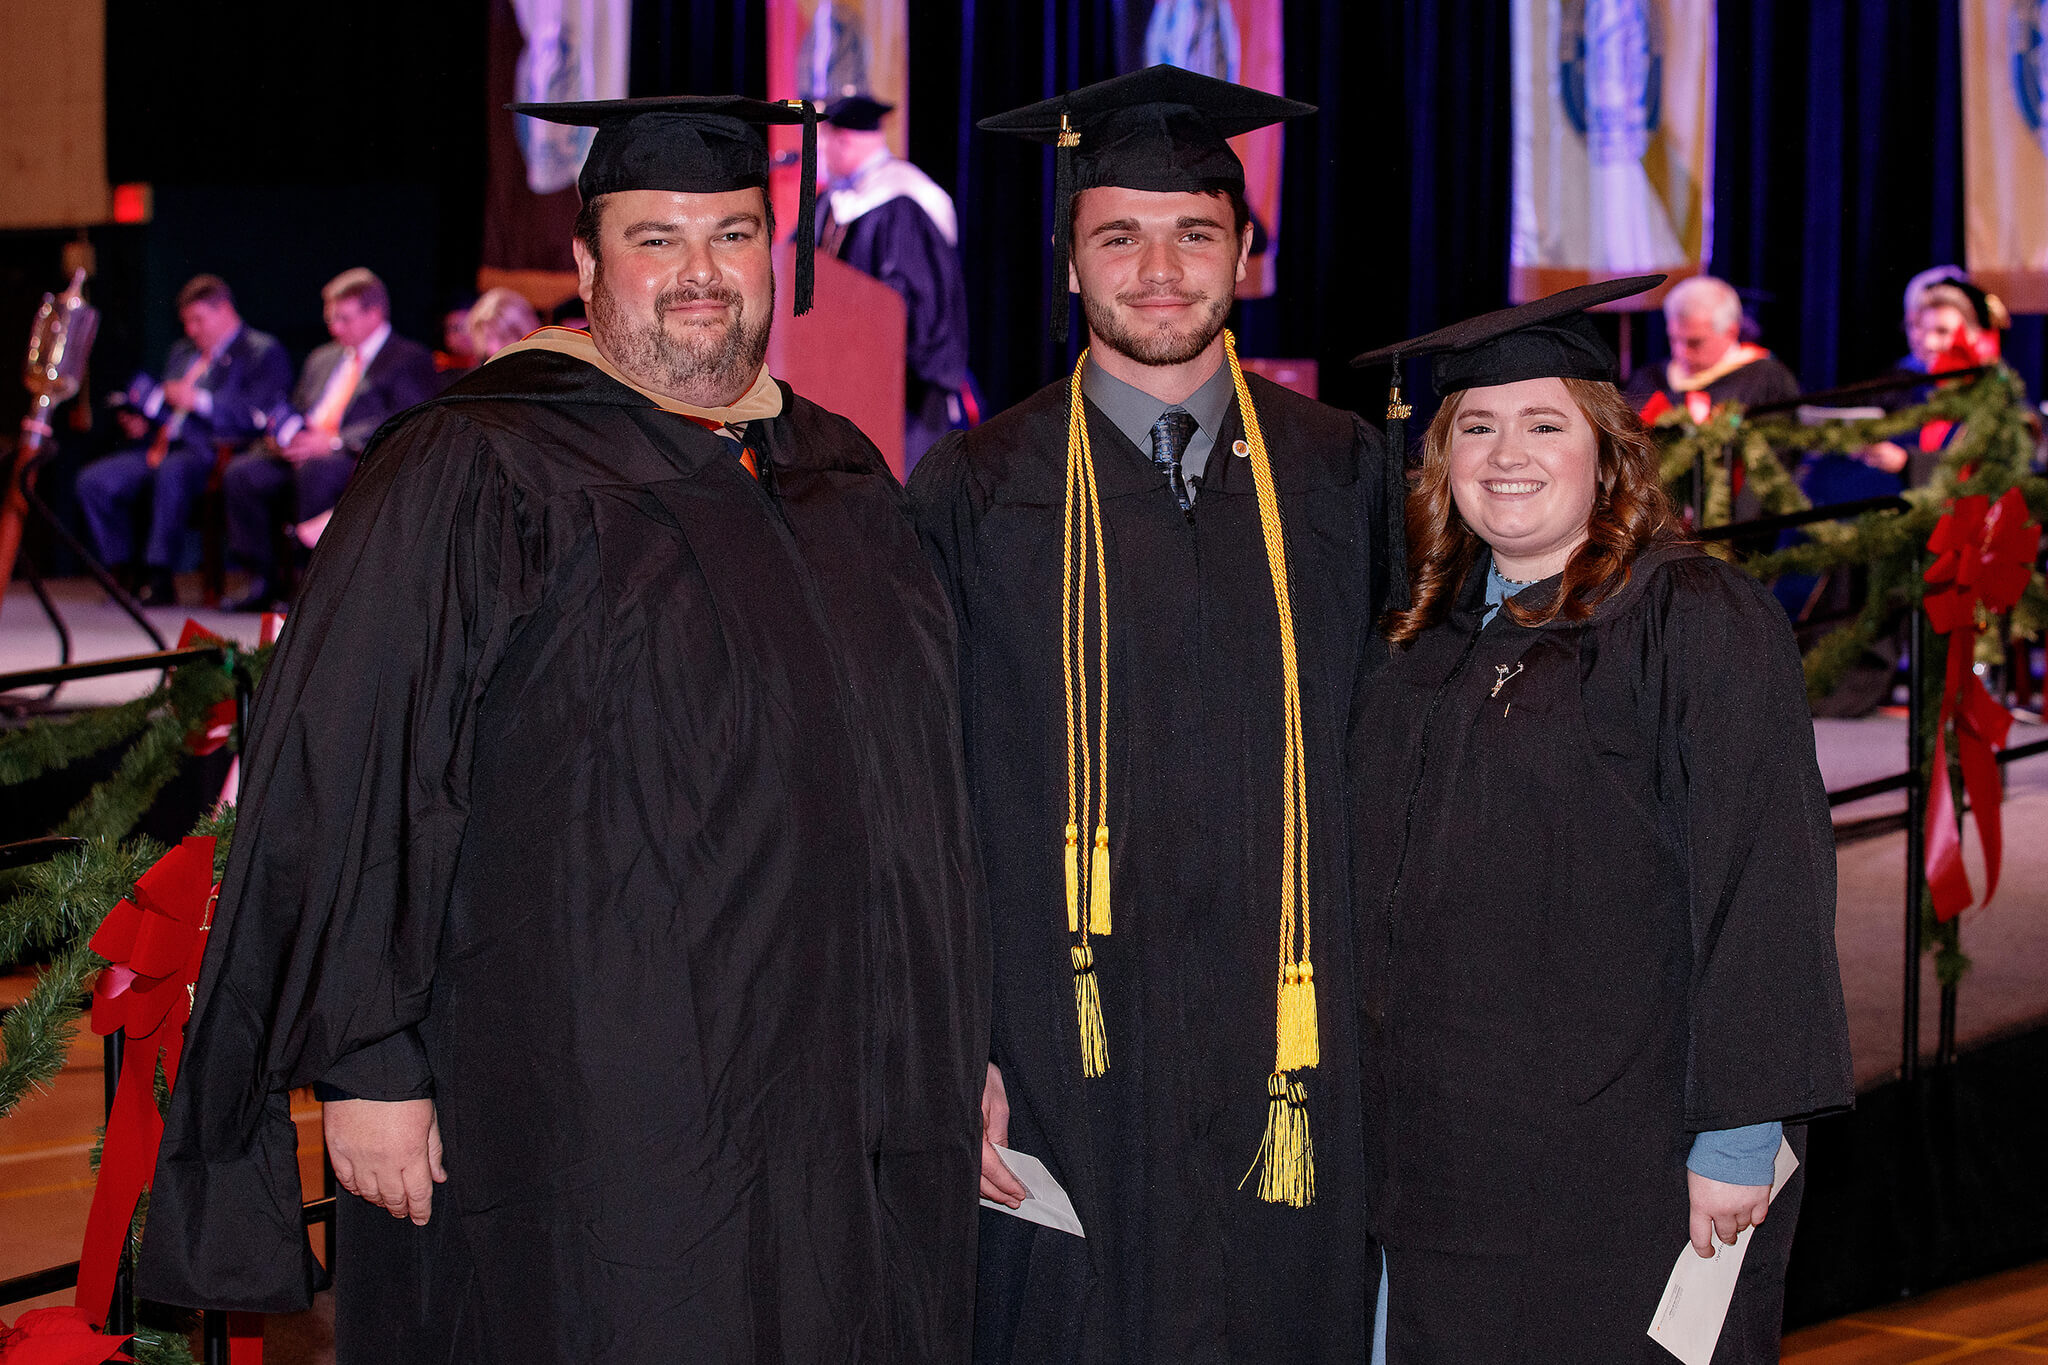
(886, 218)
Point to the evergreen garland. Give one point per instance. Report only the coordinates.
(1991, 451)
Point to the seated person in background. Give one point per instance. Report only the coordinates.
(457, 357)
(501, 317)
(888, 220)
(219, 384)
(345, 392)
(1703, 318)
(1950, 324)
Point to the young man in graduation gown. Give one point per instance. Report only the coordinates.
(605, 860)
(886, 218)
(1159, 805)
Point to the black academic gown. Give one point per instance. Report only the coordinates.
(1764, 380)
(614, 799)
(897, 243)
(1596, 891)
(1179, 1263)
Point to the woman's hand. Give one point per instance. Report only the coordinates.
(997, 1182)
(1723, 1210)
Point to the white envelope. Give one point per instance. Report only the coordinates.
(1048, 1203)
(1688, 1319)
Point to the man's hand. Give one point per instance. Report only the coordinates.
(306, 444)
(1722, 1210)
(133, 425)
(388, 1152)
(996, 1181)
(181, 393)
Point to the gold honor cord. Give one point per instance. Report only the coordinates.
(1287, 1153)
(1081, 531)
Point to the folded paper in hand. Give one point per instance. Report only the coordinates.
(1688, 1319)
(1048, 1203)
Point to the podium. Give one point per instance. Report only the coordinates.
(846, 354)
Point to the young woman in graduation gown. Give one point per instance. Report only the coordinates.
(1595, 882)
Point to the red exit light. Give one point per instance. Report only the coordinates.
(133, 203)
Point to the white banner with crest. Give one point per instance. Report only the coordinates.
(2005, 149)
(1613, 142)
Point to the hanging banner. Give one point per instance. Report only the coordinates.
(819, 50)
(1613, 143)
(2005, 149)
(542, 51)
(1240, 41)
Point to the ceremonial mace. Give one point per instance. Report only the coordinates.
(59, 343)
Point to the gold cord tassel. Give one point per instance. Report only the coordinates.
(1073, 879)
(1300, 1047)
(1087, 773)
(1287, 1158)
(1287, 1155)
(1098, 883)
(1088, 1005)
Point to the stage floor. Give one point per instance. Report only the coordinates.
(45, 1182)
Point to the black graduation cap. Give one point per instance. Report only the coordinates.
(1991, 314)
(692, 144)
(857, 112)
(1161, 129)
(1546, 338)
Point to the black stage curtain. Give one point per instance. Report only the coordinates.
(1838, 174)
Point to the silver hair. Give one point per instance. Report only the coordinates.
(1699, 294)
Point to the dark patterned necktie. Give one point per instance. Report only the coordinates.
(1169, 440)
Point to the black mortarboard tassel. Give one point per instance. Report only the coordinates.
(807, 212)
(1062, 225)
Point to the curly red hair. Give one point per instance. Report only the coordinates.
(1631, 512)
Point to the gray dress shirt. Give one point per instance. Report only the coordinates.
(1133, 411)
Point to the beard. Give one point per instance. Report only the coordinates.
(704, 365)
(1155, 344)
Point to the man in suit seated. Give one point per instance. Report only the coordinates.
(345, 392)
(220, 383)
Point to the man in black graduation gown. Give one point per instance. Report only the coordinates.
(605, 860)
(1134, 1046)
(886, 218)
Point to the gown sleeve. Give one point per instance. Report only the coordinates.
(320, 965)
(922, 266)
(1768, 1033)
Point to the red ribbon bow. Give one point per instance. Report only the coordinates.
(153, 942)
(1984, 556)
(57, 1336)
